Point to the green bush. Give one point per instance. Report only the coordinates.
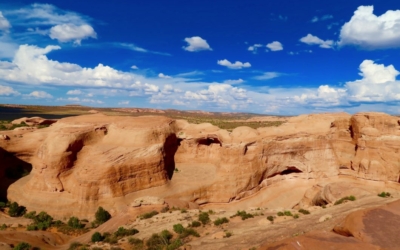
(243, 215)
(122, 232)
(189, 231)
(148, 215)
(228, 235)
(74, 222)
(196, 223)
(102, 215)
(344, 199)
(3, 227)
(16, 210)
(221, 221)
(303, 211)
(31, 215)
(204, 218)
(2, 205)
(159, 241)
(280, 214)
(74, 245)
(175, 244)
(384, 194)
(137, 243)
(97, 237)
(22, 246)
(296, 216)
(270, 218)
(287, 213)
(178, 228)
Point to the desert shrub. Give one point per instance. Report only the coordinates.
(303, 211)
(30, 215)
(122, 232)
(344, 199)
(228, 234)
(165, 209)
(159, 241)
(204, 218)
(195, 223)
(175, 244)
(183, 211)
(270, 218)
(189, 231)
(74, 245)
(280, 214)
(137, 243)
(16, 210)
(178, 228)
(102, 215)
(74, 222)
(287, 213)
(384, 194)
(96, 237)
(148, 215)
(3, 227)
(243, 215)
(22, 246)
(31, 227)
(296, 216)
(221, 221)
(2, 205)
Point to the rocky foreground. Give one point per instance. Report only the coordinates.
(81, 163)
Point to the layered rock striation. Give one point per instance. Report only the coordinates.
(93, 158)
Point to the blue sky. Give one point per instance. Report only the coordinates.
(270, 57)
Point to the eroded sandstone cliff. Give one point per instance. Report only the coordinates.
(89, 160)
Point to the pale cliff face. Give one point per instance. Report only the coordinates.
(89, 160)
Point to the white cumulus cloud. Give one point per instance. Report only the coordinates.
(369, 31)
(196, 43)
(314, 40)
(275, 46)
(161, 75)
(267, 76)
(71, 32)
(40, 95)
(4, 23)
(134, 67)
(378, 84)
(7, 91)
(236, 65)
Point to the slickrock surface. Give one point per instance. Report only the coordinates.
(82, 162)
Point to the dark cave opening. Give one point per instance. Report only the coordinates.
(208, 141)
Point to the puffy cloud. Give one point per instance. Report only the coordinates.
(74, 92)
(322, 18)
(254, 47)
(236, 65)
(313, 40)
(4, 23)
(7, 91)
(40, 95)
(377, 85)
(71, 32)
(134, 67)
(324, 96)
(196, 43)
(223, 95)
(267, 76)
(275, 46)
(369, 31)
(161, 75)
